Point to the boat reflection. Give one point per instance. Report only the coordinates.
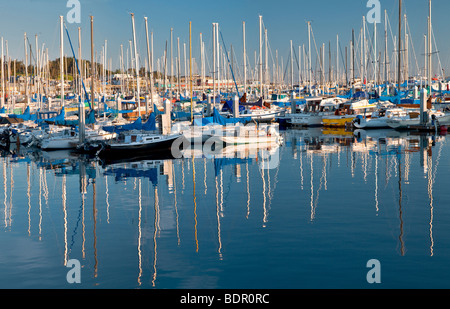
(179, 188)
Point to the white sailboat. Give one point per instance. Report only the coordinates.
(69, 138)
(378, 119)
(413, 119)
(314, 111)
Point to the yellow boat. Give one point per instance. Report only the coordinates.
(337, 121)
(347, 112)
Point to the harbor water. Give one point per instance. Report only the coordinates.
(309, 214)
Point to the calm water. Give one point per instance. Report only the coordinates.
(309, 214)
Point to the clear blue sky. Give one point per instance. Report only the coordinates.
(285, 20)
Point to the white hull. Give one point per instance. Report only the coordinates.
(402, 123)
(305, 120)
(59, 143)
(372, 123)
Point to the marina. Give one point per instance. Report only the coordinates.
(194, 165)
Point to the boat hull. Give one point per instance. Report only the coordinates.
(133, 149)
(371, 123)
(337, 121)
(305, 120)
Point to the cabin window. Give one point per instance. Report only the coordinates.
(133, 138)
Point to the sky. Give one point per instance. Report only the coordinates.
(285, 20)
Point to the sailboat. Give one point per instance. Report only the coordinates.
(378, 119)
(347, 112)
(315, 109)
(69, 138)
(132, 143)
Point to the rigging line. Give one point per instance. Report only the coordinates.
(317, 53)
(232, 73)
(437, 51)
(414, 50)
(342, 58)
(78, 68)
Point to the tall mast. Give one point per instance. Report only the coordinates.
(214, 63)
(364, 48)
(309, 56)
(150, 63)
(337, 60)
(3, 77)
(385, 50)
(202, 78)
(61, 60)
(121, 69)
(37, 75)
(136, 62)
(260, 57)
(245, 58)
(353, 56)
(178, 66)
(292, 67)
(375, 53)
(190, 70)
(299, 67)
(429, 48)
(218, 58)
(81, 69)
(92, 64)
(185, 67)
(171, 62)
(399, 64)
(266, 62)
(26, 68)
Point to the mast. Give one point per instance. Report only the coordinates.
(37, 69)
(81, 69)
(260, 57)
(61, 60)
(190, 69)
(26, 68)
(201, 61)
(337, 61)
(399, 65)
(136, 62)
(150, 63)
(406, 51)
(353, 56)
(245, 58)
(292, 67)
(385, 50)
(178, 66)
(309, 57)
(218, 59)
(92, 64)
(185, 67)
(3, 78)
(214, 63)
(266, 62)
(430, 47)
(375, 53)
(364, 56)
(121, 69)
(299, 67)
(171, 63)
